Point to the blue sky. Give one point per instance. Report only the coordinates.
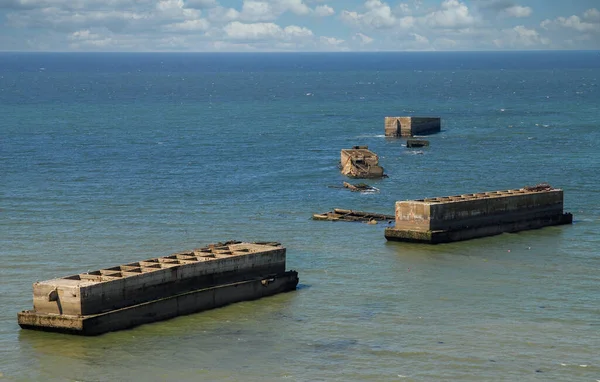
(298, 25)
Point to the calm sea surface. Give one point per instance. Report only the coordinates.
(112, 158)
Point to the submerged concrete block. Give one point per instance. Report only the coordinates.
(124, 286)
(462, 217)
(416, 143)
(409, 126)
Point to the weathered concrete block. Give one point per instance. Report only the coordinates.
(360, 162)
(123, 286)
(409, 126)
(161, 309)
(461, 217)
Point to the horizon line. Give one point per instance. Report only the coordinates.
(299, 52)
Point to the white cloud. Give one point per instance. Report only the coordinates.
(95, 40)
(201, 4)
(403, 9)
(324, 10)
(176, 9)
(294, 31)
(331, 41)
(63, 20)
(407, 22)
(378, 15)
(256, 10)
(224, 15)
(592, 15)
(444, 43)
(148, 25)
(84, 34)
(188, 26)
(351, 17)
(363, 39)
(520, 37)
(518, 11)
(257, 31)
(576, 23)
(590, 23)
(295, 6)
(264, 31)
(149, 17)
(453, 14)
(69, 4)
(420, 39)
(528, 37)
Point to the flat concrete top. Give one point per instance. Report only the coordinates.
(485, 195)
(209, 253)
(65, 282)
(359, 152)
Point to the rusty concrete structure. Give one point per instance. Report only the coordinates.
(468, 216)
(156, 289)
(410, 126)
(360, 162)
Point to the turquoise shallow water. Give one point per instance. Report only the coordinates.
(112, 158)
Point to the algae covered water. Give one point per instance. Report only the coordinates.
(111, 158)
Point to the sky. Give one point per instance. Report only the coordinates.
(298, 25)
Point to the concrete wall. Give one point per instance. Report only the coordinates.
(348, 155)
(462, 217)
(469, 210)
(392, 126)
(436, 237)
(135, 283)
(161, 309)
(409, 126)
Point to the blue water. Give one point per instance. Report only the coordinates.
(112, 158)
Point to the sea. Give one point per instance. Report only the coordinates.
(110, 158)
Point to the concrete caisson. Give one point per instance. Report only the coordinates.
(360, 162)
(150, 290)
(468, 216)
(409, 126)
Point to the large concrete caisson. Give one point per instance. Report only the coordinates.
(360, 162)
(462, 217)
(409, 126)
(156, 289)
